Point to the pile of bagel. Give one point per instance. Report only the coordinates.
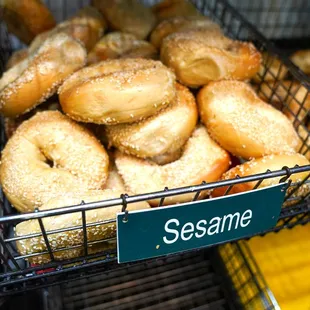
(122, 98)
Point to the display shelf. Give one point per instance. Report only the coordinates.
(18, 275)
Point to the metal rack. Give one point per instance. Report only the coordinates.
(186, 281)
(247, 281)
(278, 19)
(284, 22)
(18, 275)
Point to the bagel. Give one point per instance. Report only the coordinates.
(167, 158)
(202, 160)
(26, 18)
(291, 97)
(165, 132)
(172, 8)
(200, 56)
(242, 123)
(180, 24)
(302, 60)
(11, 124)
(77, 161)
(261, 165)
(87, 26)
(91, 16)
(17, 57)
(127, 16)
(117, 91)
(72, 237)
(271, 69)
(304, 140)
(36, 78)
(118, 44)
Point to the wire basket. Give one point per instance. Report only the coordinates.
(278, 19)
(247, 281)
(18, 275)
(187, 281)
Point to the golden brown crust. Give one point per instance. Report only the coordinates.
(242, 123)
(290, 96)
(79, 162)
(261, 165)
(164, 132)
(36, 78)
(202, 160)
(73, 237)
(26, 18)
(16, 58)
(119, 44)
(127, 16)
(201, 56)
(172, 8)
(92, 16)
(11, 124)
(117, 91)
(87, 26)
(271, 69)
(302, 60)
(180, 24)
(304, 140)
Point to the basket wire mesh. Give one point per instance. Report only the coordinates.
(277, 19)
(246, 278)
(18, 274)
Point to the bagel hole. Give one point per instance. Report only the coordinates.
(49, 162)
(233, 47)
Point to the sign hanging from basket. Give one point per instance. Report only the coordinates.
(161, 231)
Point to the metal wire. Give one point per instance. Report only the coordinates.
(236, 27)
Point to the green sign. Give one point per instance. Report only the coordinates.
(161, 231)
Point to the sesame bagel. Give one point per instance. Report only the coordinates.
(271, 69)
(167, 131)
(87, 26)
(17, 57)
(200, 56)
(127, 16)
(172, 8)
(11, 124)
(304, 140)
(37, 77)
(202, 160)
(291, 97)
(26, 18)
(301, 59)
(167, 158)
(242, 123)
(50, 154)
(261, 165)
(117, 91)
(119, 44)
(72, 237)
(180, 24)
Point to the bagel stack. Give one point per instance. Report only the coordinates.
(126, 122)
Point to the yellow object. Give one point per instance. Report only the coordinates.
(284, 261)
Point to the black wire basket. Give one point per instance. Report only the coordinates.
(284, 22)
(278, 19)
(205, 279)
(245, 277)
(18, 275)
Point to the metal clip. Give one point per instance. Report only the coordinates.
(284, 179)
(288, 174)
(124, 208)
(198, 193)
(161, 202)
